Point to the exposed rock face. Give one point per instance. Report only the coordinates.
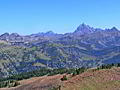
(84, 29)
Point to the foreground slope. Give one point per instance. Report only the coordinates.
(106, 79)
(97, 80)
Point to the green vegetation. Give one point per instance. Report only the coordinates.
(64, 78)
(80, 70)
(18, 59)
(39, 64)
(4, 82)
(11, 81)
(108, 66)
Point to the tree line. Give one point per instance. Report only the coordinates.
(12, 81)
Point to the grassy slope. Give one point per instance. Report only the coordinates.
(98, 80)
(90, 80)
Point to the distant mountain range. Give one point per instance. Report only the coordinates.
(86, 46)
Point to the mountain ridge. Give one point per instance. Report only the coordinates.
(90, 48)
(82, 27)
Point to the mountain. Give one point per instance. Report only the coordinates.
(49, 33)
(86, 46)
(84, 29)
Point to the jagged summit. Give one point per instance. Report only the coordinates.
(14, 34)
(50, 33)
(114, 29)
(84, 29)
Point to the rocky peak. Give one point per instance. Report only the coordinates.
(50, 33)
(114, 29)
(14, 34)
(84, 29)
(5, 35)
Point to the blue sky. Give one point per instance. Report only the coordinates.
(60, 16)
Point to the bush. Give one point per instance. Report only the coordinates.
(16, 84)
(64, 78)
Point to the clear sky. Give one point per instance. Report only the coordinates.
(61, 16)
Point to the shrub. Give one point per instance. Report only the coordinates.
(16, 84)
(64, 78)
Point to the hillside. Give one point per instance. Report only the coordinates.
(98, 80)
(85, 47)
(106, 79)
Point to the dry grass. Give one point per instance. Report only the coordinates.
(98, 80)
(90, 80)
